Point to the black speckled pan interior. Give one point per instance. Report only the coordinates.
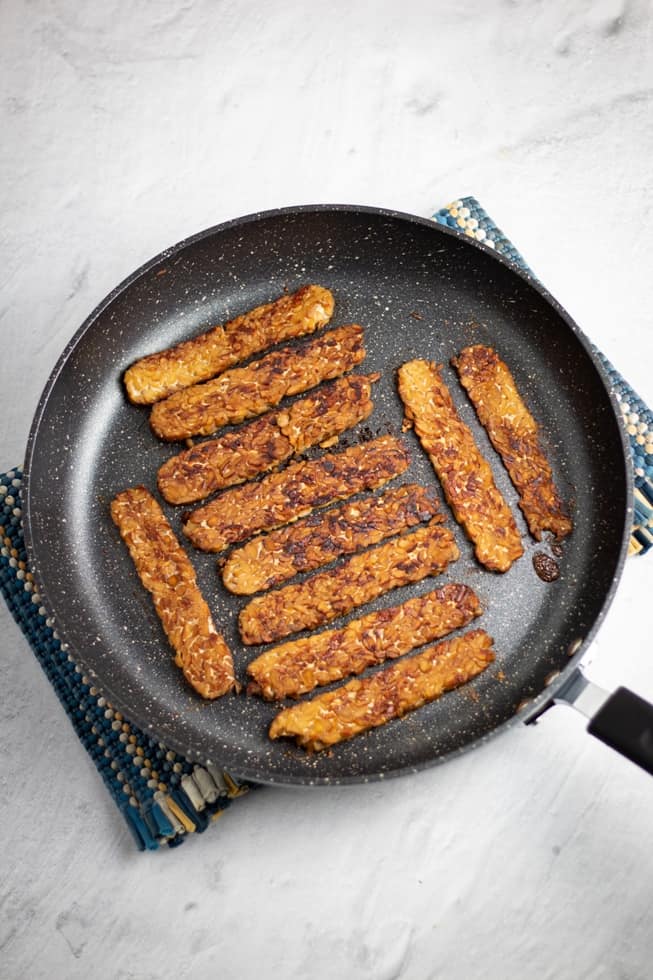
(419, 290)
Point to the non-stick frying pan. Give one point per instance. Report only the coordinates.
(419, 290)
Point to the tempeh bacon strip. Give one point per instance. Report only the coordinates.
(297, 667)
(167, 574)
(158, 375)
(321, 537)
(368, 702)
(464, 473)
(245, 392)
(267, 442)
(360, 579)
(514, 434)
(283, 497)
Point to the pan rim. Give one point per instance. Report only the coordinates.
(538, 703)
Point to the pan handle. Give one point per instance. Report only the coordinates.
(622, 720)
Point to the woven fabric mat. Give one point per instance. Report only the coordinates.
(161, 795)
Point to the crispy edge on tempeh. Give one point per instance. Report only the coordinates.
(245, 392)
(166, 572)
(320, 538)
(267, 442)
(281, 498)
(514, 434)
(464, 473)
(391, 692)
(202, 357)
(297, 667)
(360, 579)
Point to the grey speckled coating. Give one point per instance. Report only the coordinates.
(419, 290)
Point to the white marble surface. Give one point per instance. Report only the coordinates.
(125, 127)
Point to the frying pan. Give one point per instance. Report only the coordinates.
(419, 290)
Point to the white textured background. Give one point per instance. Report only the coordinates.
(125, 127)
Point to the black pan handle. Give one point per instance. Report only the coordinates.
(622, 720)
(625, 723)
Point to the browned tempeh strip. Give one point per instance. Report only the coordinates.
(286, 496)
(245, 392)
(166, 572)
(295, 668)
(514, 434)
(464, 473)
(320, 538)
(204, 356)
(368, 702)
(267, 442)
(361, 578)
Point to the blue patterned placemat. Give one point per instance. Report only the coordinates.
(162, 796)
